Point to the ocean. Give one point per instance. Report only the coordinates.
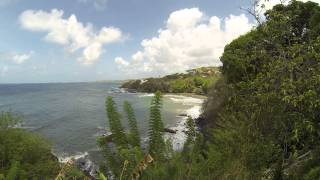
(72, 115)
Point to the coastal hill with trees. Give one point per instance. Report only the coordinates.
(197, 81)
(261, 119)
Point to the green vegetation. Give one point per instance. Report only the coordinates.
(156, 142)
(269, 123)
(133, 137)
(116, 127)
(24, 155)
(124, 156)
(197, 81)
(130, 161)
(261, 120)
(158, 161)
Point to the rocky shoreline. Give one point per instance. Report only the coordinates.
(175, 133)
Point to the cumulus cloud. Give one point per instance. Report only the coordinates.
(21, 58)
(97, 4)
(121, 62)
(190, 39)
(71, 33)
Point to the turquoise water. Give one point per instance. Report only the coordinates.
(72, 115)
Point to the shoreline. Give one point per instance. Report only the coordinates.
(193, 95)
(179, 138)
(86, 165)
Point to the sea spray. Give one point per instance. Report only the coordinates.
(178, 139)
(82, 161)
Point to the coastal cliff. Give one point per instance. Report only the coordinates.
(196, 81)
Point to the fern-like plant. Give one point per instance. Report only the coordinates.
(133, 137)
(116, 128)
(156, 141)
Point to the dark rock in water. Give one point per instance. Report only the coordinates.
(201, 123)
(172, 131)
(107, 137)
(204, 126)
(131, 90)
(54, 157)
(183, 115)
(185, 131)
(87, 167)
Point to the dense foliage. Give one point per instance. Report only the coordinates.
(268, 124)
(134, 135)
(197, 81)
(261, 120)
(157, 158)
(24, 155)
(124, 155)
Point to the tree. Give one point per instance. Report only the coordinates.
(191, 134)
(121, 158)
(156, 141)
(264, 112)
(8, 120)
(270, 119)
(134, 137)
(116, 128)
(24, 155)
(13, 171)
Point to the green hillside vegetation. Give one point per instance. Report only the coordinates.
(126, 159)
(24, 155)
(269, 100)
(196, 81)
(123, 152)
(261, 119)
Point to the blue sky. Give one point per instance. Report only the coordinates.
(32, 49)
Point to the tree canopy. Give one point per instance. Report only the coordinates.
(24, 155)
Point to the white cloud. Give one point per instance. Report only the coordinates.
(71, 33)
(21, 58)
(15, 58)
(189, 40)
(121, 62)
(97, 4)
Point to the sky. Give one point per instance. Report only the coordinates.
(91, 40)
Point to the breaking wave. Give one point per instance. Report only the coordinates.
(185, 100)
(146, 95)
(83, 162)
(178, 139)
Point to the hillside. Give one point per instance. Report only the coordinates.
(196, 81)
(261, 119)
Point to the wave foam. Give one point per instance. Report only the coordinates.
(186, 100)
(146, 95)
(178, 139)
(194, 112)
(83, 162)
(77, 156)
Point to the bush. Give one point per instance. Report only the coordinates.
(24, 155)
